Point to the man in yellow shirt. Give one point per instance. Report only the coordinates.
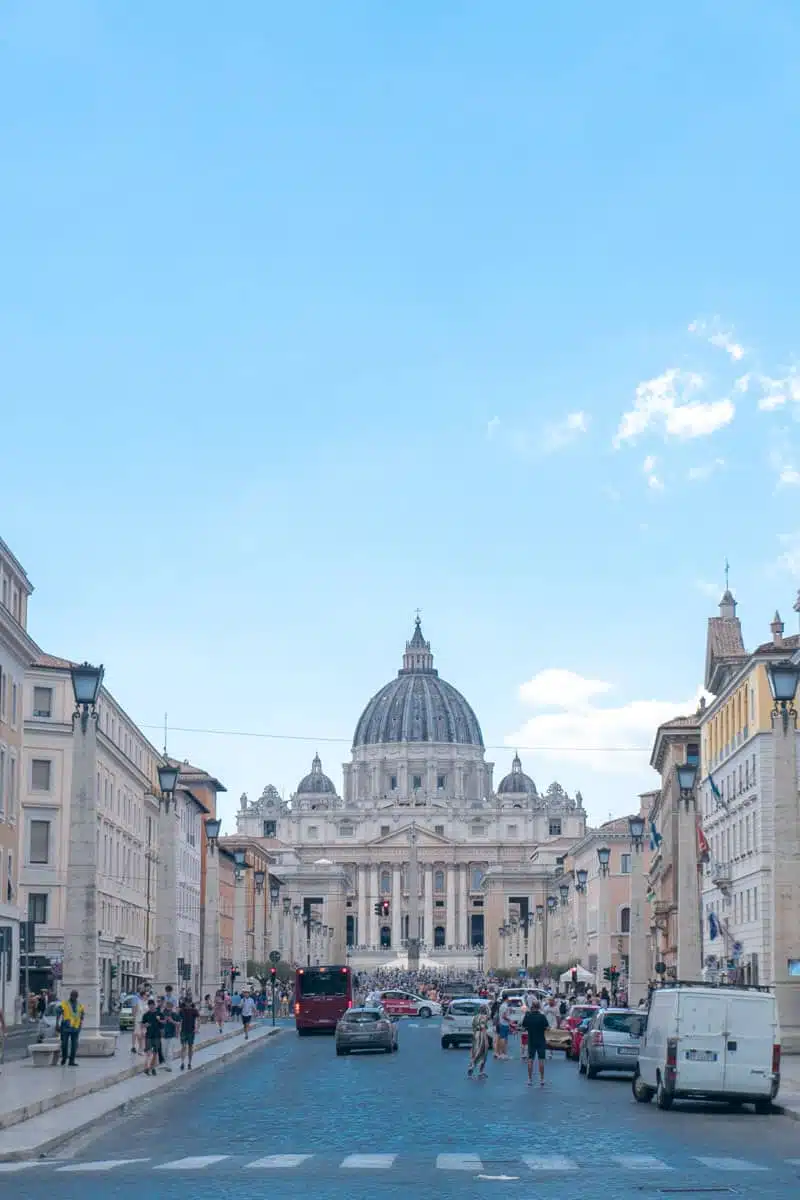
(69, 1023)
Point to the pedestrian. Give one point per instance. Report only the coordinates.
(605, 999)
(220, 1009)
(139, 1007)
(189, 1016)
(551, 1015)
(480, 1043)
(503, 1029)
(69, 1023)
(248, 1008)
(536, 1024)
(152, 1022)
(169, 1031)
(236, 1005)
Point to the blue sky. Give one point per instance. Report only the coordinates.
(313, 314)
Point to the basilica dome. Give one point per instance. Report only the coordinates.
(316, 783)
(517, 783)
(418, 706)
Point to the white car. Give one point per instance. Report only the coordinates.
(399, 1003)
(457, 1021)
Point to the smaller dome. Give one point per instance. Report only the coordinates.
(323, 862)
(316, 783)
(517, 783)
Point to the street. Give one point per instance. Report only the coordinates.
(381, 1124)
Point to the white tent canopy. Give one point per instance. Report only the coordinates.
(582, 974)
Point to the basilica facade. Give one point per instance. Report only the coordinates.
(418, 782)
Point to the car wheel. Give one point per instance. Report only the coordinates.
(395, 1047)
(445, 1043)
(663, 1097)
(341, 1052)
(581, 1065)
(424, 1013)
(387, 1050)
(641, 1092)
(591, 1072)
(763, 1107)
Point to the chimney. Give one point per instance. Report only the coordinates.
(777, 629)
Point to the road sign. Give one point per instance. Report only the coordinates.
(274, 956)
(522, 972)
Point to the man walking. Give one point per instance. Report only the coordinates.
(189, 1015)
(248, 1009)
(69, 1023)
(535, 1024)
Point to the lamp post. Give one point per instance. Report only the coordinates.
(274, 912)
(240, 912)
(81, 966)
(295, 931)
(603, 859)
(581, 881)
(690, 953)
(166, 916)
(637, 929)
(211, 965)
(259, 917)
(783, 682)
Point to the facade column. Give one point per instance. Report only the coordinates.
(689, 952)
(374, 921)
(166, 916)
(637, 939)
(81, 964)
(463, 904)
(240, 924)
(397, 906)
(260, 923)
(362, 927)
(451, 905)
(786, 877)
(428, 906)
(212, 971)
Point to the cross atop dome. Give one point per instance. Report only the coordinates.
(418, 655)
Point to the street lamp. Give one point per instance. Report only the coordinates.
(687, 776)
(275, 891)
(167, 782)
(259, 878)
(239, 863)
(287, 905)
(581, 879)
(636, 830)
(552, 903)
(783, 680)
(213, 826)
(603, 858)
(296, 910)
(86, 684)
(539, 912)
(211, 947)
(564, 891)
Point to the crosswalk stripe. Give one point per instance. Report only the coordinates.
(368, 1162)
(192, 1163)
(641, 1162)
(729, 1164)
(551, 1162)
(278, 1161)
(21, 1166)
(105, 1165)
(458, 1162)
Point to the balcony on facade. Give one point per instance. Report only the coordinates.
(721, 876)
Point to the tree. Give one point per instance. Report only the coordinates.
(259, 971)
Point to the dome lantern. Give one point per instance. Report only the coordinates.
(317, 783)
(517, 783)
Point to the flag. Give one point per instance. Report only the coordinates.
(713, 927)
(716, 793)
(655, 837)
(703, 848)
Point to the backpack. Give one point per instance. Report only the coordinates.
(562, 1008)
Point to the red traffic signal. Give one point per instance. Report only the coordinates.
(385, 908)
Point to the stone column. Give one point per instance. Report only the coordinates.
(166, 916)
(637, 941)
(81, 967)
(413, 901)
(211, 956)
(689, 950)
(374, 922)
(428, 903)
(362, 928)
(240, 925)
(450, 925)
(463, 903)
(786, 878)
(260, 949)
(397, 907)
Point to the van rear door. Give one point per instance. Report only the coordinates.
(751, 1032)
(701, 1041)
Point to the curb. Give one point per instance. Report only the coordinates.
(163, 1082)
(792, 1113)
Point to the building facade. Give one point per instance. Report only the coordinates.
(418, 772)
(16, 651)
(190, 815)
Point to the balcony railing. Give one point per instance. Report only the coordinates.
(721, 875)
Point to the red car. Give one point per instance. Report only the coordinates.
(579, 1013)
(578, 1034)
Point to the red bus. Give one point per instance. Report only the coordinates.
(321, 996)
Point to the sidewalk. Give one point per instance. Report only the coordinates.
(36, 1109)
(789, 1096)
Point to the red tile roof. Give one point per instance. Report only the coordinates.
(50, 660)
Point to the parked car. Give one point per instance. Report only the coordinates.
(126, 1012)
(611, 1042)
(579, 1013)
(366, 1029)
(709, 1043)
(46, 1027)
(405, 1004)
(457, 1021)
(577, 1037)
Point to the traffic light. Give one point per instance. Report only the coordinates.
(113, 971)
(385, 908)
(273, 974)
(614, 972)
(378, 908)
(607, 973)
(574, 976)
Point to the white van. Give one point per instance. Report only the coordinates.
(710, 1043)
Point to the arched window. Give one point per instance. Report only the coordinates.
(438, 936)
(386, 882)
(386, 936)
(625, 920)
(477, 879)
(438, 884)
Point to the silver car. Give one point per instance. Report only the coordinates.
(366, 1029)
(457, 1021)
(611, 1042)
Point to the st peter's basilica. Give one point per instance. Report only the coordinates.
(418, 776)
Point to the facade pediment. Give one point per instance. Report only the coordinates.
(426, 838)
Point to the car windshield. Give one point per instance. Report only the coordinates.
(312, 983)
(466, 1008)
(581, 1013)
(361, 1018)
(631, 1023)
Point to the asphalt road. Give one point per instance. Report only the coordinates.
(293, 1119)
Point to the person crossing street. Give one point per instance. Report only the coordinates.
(480, 1044)
(536, 1024)
(248, 1010)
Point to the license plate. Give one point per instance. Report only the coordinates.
(701, 1055)
(628, 1050)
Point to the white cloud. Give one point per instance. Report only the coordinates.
(653, 480)
(789, 560)
(561, 433)
(586, 733)
(492, 427)
(705, 471)
(714, 333)
(787, 473)
(776, 392)
(742, 384)
(666, 403)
